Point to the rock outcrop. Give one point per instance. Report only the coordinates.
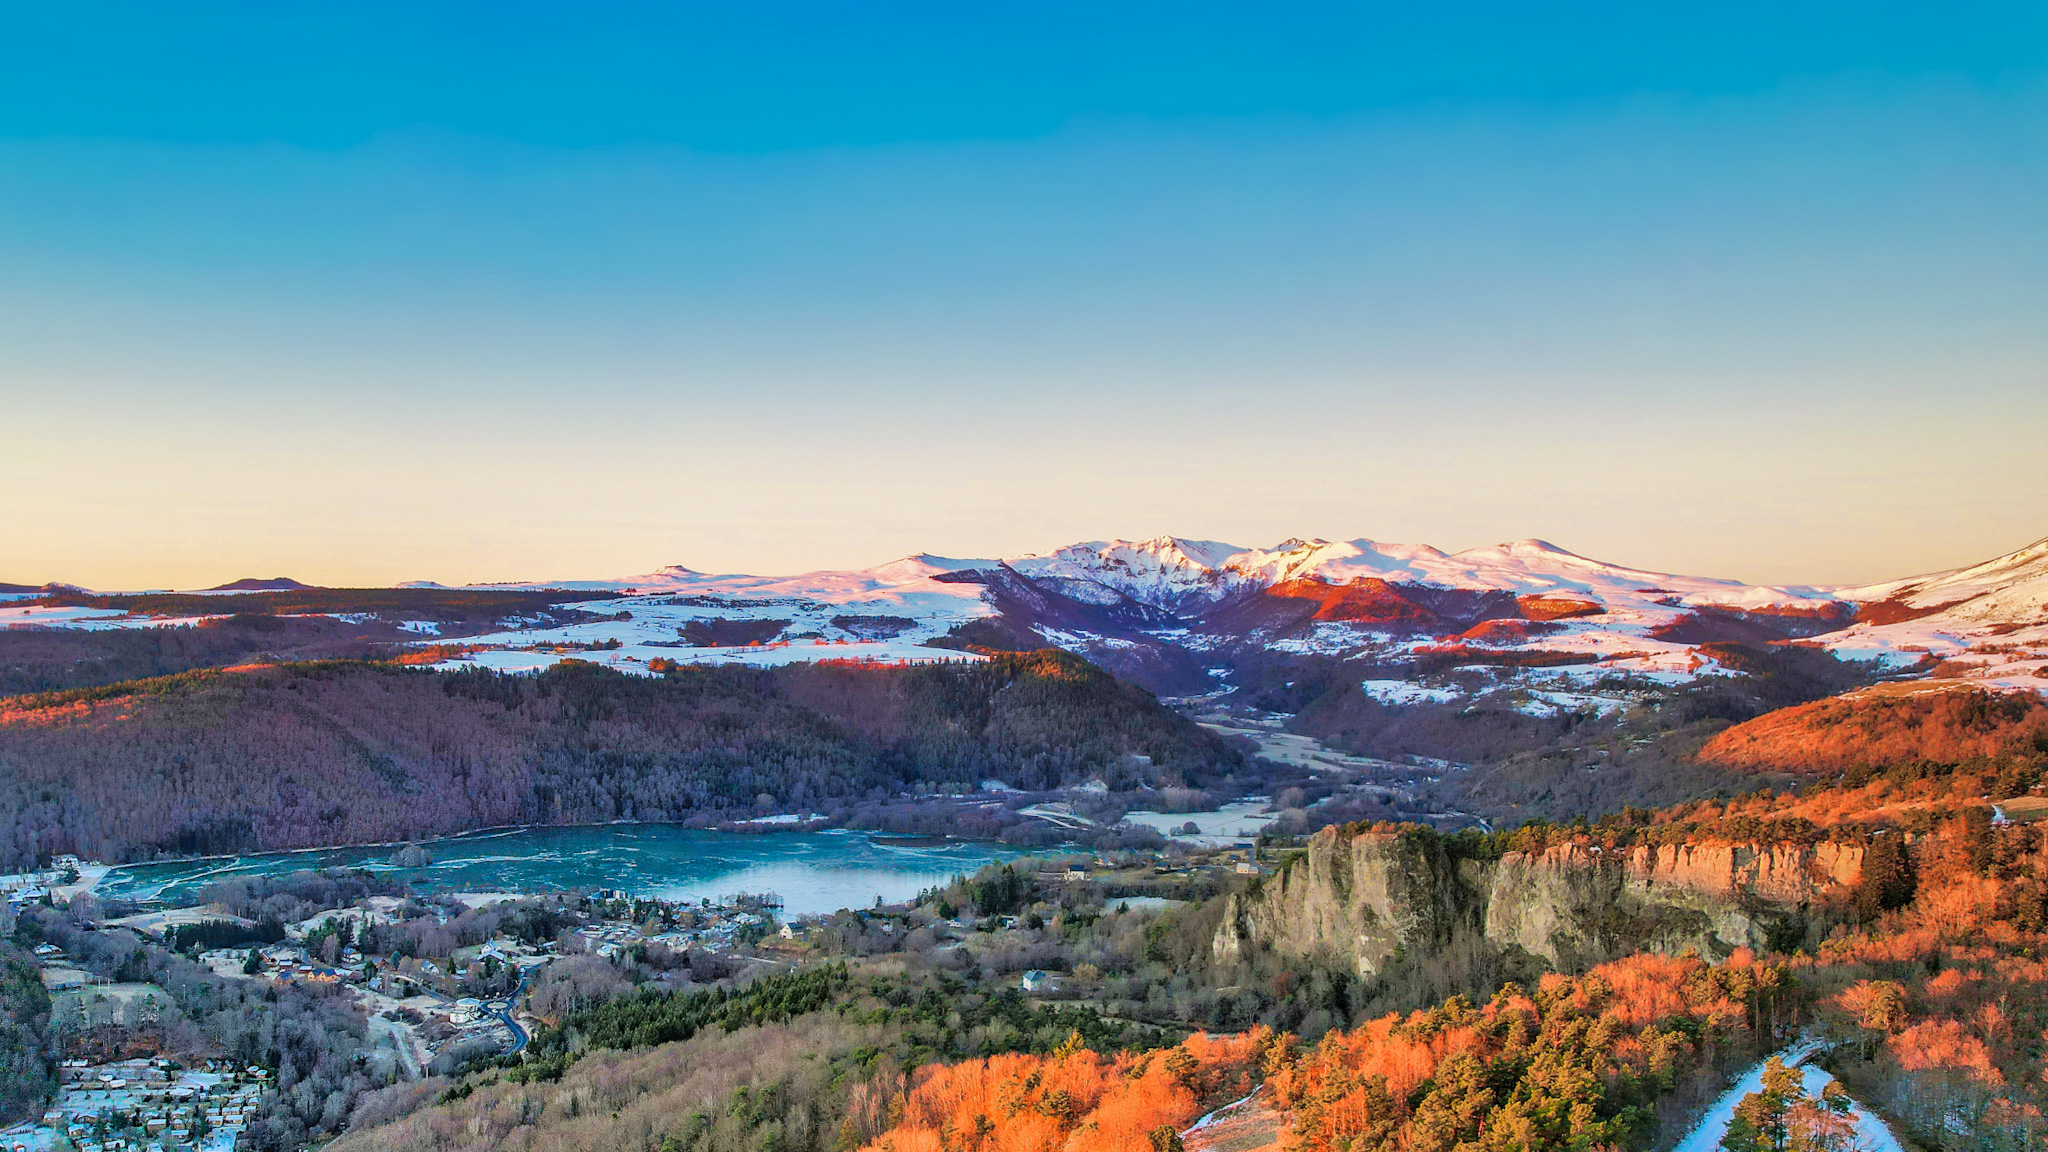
(1363, 900)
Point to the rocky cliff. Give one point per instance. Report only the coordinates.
(1364, 900)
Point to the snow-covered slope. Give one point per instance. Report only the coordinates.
(1165, 572)
(1402, 601)
(1181, 613)
(1186, 615)
(887, 613)
(1170, 572)
(2012, 587)
(891, 582)
(1990, 620)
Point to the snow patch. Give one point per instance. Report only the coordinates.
(1407, 692)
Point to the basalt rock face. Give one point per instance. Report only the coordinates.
(1362, 901)
(1356, 901)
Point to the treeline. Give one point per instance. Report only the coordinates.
(1608, 1059)
(28, 1062)
(1603, 1060)
(256, 627)
(1914, 798)
(54, 659)
(420, 603)
(647, 1017)
(815, 1083)
(210, 934)
(1074, 1097)
(801, 1062)
(295, 896)
(324, 753)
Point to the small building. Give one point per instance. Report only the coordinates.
(1039, 981)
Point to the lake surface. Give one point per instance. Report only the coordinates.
(815, 872)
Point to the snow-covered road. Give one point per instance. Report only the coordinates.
(1871, 1133)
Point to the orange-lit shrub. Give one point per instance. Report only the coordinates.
(1073, 1100)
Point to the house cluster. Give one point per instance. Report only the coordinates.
(34, 887)
(286, 962)
(152, 1105)
(708, 926)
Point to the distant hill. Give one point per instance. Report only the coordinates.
(252, 584)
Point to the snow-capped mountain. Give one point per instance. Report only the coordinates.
(1990, 620)
(1188, 616)
(1169, 572)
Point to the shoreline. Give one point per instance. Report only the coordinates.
(762, 827)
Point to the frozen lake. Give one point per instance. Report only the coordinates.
(815, 872)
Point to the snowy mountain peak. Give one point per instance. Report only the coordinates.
(1165, 571)
(924, 566)
(1535, 547)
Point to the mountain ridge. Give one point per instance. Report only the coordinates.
(1186, 616)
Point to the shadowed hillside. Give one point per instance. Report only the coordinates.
(272, 757)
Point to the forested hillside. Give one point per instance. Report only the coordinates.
(53, 660)
(1602, 1061)
(1528, 757)
(1890, 724)
(320, 753)
(27, 1061)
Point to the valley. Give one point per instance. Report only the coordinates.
(1121, 846)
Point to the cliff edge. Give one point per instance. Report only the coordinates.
(1362, 900)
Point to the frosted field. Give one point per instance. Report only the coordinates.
(1228, 825)
(1406, 692)
(88, 619)
(883, 614)
(635, 658)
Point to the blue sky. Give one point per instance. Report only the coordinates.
(376, 292)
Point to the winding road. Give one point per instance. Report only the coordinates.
(1871, 1133)
(519, 1036)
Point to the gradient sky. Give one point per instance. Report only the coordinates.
(364, 292)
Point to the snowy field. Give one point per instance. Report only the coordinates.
(1229, 825)
(882, 615)
(87, 619)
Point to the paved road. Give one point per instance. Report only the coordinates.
(519, 1036)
